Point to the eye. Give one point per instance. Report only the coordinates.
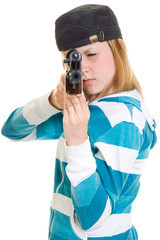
(91, 54)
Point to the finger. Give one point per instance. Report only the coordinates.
(65, 116)
(62, 83)
(62, 79)
(83, 102)
(66, 119)
(74, 99)
(82, 98)
(76, 103)
(65, 104)
(69, 106)
(68, 101)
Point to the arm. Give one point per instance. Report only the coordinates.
(39, 119)
(101, 175)
(30, 121)
(99, 178)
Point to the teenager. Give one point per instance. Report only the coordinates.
(105, 134)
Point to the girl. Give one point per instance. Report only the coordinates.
(105, 134)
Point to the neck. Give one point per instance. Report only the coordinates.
(103, 93)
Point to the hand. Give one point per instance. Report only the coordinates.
(56, 97)
(75, 120)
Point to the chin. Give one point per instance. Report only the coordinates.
(92, 95)
(92, 92)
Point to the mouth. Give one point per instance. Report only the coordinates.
(88, 81)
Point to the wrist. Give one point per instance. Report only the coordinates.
(77, 142)
(81, 162)
(52, 100)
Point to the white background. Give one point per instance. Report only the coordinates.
(30, 66)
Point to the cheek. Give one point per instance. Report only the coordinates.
(108, 66)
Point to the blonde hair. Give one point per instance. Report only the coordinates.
(124, 78)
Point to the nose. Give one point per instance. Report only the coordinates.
(84, 65)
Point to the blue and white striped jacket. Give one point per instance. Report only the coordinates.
(97, 181)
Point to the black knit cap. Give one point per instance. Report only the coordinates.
(84, 25)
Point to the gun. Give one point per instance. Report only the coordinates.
(74, 82)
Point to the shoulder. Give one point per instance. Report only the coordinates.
(116, 110)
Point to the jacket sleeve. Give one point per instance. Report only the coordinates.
(99, 179)
(36, 120)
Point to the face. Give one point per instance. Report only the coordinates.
(97, 67)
